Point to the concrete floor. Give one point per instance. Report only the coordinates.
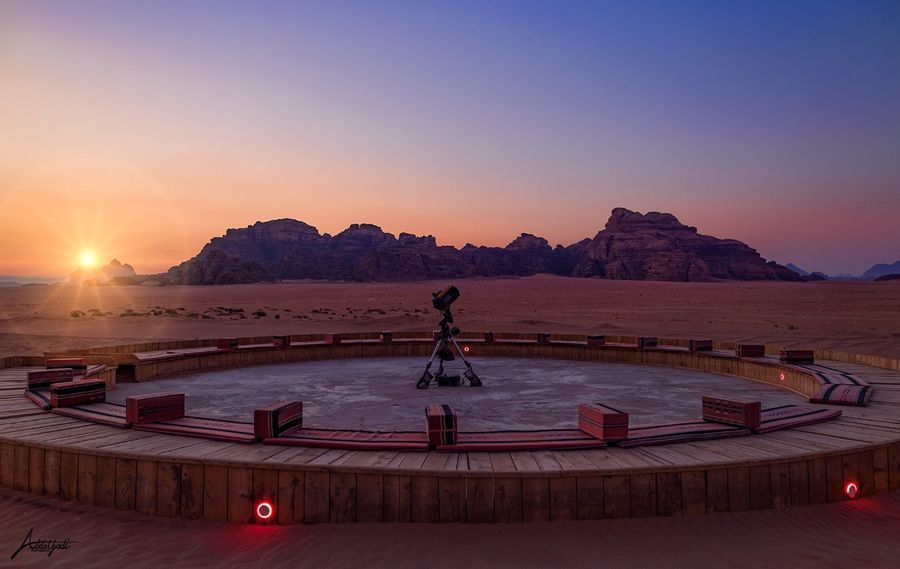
(518, 393)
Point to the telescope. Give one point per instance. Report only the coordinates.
(441, 300)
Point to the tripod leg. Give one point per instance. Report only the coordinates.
(427, 376)
(469, 374)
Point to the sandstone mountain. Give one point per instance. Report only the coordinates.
(652, 246)
(881, 270)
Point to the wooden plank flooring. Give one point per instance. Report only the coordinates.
(859, 427)
(169, 475)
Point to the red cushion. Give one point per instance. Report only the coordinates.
(153, 407)
(731, 411)
(680, 433)
(602, 422)
(499, 441)
(40, 397)
(352, 440)
(103, 413)
(216, 429)
(790, 416)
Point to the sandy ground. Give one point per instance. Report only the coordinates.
(865, 532)
(862, 317)
(852, 316)
(379, 393)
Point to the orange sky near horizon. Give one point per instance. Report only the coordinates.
(142, 130)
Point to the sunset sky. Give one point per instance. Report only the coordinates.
(139, 130)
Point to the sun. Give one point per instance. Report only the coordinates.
(87, 259)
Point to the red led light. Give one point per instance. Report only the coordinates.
(465, 348)
(264, 510)
(781, 376)
(851, 490)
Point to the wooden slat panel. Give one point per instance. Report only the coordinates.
(343, 497)
(535, 499)
(126, 474)
(369, 498)
(760, 487)
(818, 481)
(616, 496)
(290, 496)
(717, 490)
(668, 493)
(834, 477)
(643, 495)
(36, 470)
(780, 484)
(693, 492)
(508, 499)
(145, 496)
(7, 464)
(850, 472)
(866, 464)
(563, 499)
(480, 499)
(240, 495)
(192, 491)
(452, 499)
(20, 480)
(425, 505)
(68, 476)
(215, 493)
(590, 497)
(397, 490)
(168, 498)
(51, 473)
(315, 497)
(880, 469)
(265, 487)
(738, 489)
(894, 467)
(105, 487)
(799, 474)
(87, 475)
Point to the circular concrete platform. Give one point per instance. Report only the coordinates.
(531, 380)
(518, 394)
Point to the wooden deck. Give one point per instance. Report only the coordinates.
(169, 475)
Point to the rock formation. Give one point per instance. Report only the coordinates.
(880, 270)
(115, 271)
(652, 246)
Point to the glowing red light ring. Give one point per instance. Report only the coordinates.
(264, 510)
(851, 490)
(465, 348)
(781, 376)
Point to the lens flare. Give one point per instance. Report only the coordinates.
(87, 259)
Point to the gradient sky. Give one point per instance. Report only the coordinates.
(142, 129)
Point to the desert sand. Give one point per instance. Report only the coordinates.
(859, 317)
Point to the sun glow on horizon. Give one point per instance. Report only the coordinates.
(87, 259)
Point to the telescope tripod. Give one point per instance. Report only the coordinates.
(443, 353)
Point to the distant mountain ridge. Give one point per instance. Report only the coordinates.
(798, 270)
(881, 270)
(652, 246)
